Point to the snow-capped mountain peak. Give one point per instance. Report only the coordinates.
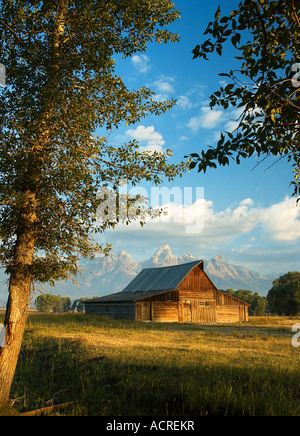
(113, 273)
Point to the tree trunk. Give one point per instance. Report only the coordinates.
(20, 269)
(18, 302)
(16, 318)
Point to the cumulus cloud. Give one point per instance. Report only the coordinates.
(164, 87)
(258, 236)
(183, 102)
(208, 119)
(279, 222)
(217, 118)
(150, 139)
(141, 63)
(282, 221)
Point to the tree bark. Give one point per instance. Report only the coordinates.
(18, 302)
(21, 277)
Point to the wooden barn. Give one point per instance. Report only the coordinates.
(182, 293)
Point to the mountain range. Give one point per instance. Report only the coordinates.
(107, 275)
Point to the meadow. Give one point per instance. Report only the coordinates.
(123, 368)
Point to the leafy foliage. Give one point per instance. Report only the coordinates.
(284, 297)
(265, 88)
(61, 90)
(258, 302)
(53, 303)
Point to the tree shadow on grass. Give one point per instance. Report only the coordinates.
(66, 370)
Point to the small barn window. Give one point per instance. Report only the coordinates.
(207, 303)
(201, 304)
(170, 296)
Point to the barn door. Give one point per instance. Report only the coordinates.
(146, 311)
(205, 311)
(187, 311)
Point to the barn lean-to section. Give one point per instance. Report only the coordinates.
(182, 293)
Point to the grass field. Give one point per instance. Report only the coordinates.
(111, 368)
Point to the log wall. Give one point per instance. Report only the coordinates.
(161, 308)
(225, 314)
(197, 300)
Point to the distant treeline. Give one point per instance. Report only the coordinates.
(282, 300)
(57, 304)
(259, 304)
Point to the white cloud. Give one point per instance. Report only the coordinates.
(184, 102)
(279, 222)
(164, 85)
(209, 119)
(164, 88)
(152, 140)
(282, 221)
(247, 202)
(141, 63)
(263, 238)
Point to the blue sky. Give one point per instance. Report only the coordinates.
(250, 217)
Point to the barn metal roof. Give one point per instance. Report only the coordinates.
(150, 282)
(161, 279)
(124, 297)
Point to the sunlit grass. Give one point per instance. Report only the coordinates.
(125, 368)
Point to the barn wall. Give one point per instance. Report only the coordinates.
(116, 311)
(230, 309)
(197, 280)
(197, 296)
(164, 311)
(197, 310)
(201, 302)
(227, 314)
(160, 308)
(225, 299)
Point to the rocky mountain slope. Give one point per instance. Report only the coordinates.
(113, 273)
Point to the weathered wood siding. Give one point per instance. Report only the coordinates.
(201, 302)
(227, 314)
(116, 311)
(161, 308)
(197, 280)
(230, 309)
(164, 311)
(197, 298)
(232, 313)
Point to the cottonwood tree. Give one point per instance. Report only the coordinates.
(53, 303)
(61, 89)
(284, 297)
(265, 87)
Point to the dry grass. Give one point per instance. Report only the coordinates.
(125, 368)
